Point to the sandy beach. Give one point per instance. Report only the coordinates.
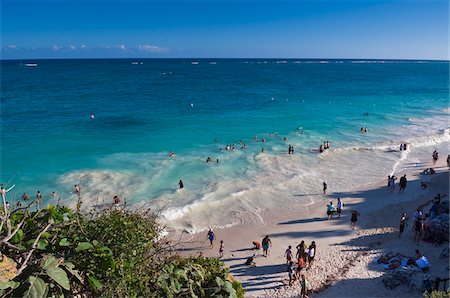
(343, 265)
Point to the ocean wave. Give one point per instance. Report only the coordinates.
(246, 184)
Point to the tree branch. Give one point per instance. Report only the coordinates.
(27, 258)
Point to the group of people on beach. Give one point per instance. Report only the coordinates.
(331, 209)
(391, 183)
(403, 146)
(421, 221)
(305, 258)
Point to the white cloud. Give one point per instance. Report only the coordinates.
(72, 48)
(152, 49)
(56, 48)
(12, 47)
(121, 47)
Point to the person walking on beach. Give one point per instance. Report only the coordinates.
(402, 184)
(448, 160)
(304, 287)
(330, 210)
(288, 254)
(221, 249)
(325, 188)
(181, 184)
(301, 251)
(266, 243)
(311, 254)
(339, 207)
(354, 219)
(211, 236)
(402, 224)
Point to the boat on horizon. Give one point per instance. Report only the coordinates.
(31, 64)
(194, 62)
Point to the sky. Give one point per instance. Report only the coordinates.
(407, 29)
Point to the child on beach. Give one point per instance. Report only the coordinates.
(304, 284)
(256, 245)
(288, 254)
(290, 270)
(221, 248)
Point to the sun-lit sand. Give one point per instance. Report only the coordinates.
(343, 263)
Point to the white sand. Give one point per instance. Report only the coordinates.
(343, 256)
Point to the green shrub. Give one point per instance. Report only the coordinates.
(112, 253)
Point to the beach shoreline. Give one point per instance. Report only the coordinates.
(289, 227)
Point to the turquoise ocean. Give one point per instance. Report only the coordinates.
(110, 125)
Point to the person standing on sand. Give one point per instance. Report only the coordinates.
(330, 210)
(311, 254)
(418, 227)
(301, 251)
(221, 249)
(325, 188)
(448, 160)
(288, 254)
(211, 236)
(339, 207)
(266, 243)
(435, 156)
(402, 184)
(304, 287)
(402, 224)
(354, 219)
(392, 183)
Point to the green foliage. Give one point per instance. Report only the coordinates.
(437, 294)
(113, 253)
(197, 277)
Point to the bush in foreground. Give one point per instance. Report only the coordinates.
(60, 252)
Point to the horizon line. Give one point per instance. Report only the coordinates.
(223, 58)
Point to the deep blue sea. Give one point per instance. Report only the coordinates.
(110, 125)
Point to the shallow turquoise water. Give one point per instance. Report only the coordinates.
(143, 111)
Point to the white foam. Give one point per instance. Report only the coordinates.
(245, 184)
